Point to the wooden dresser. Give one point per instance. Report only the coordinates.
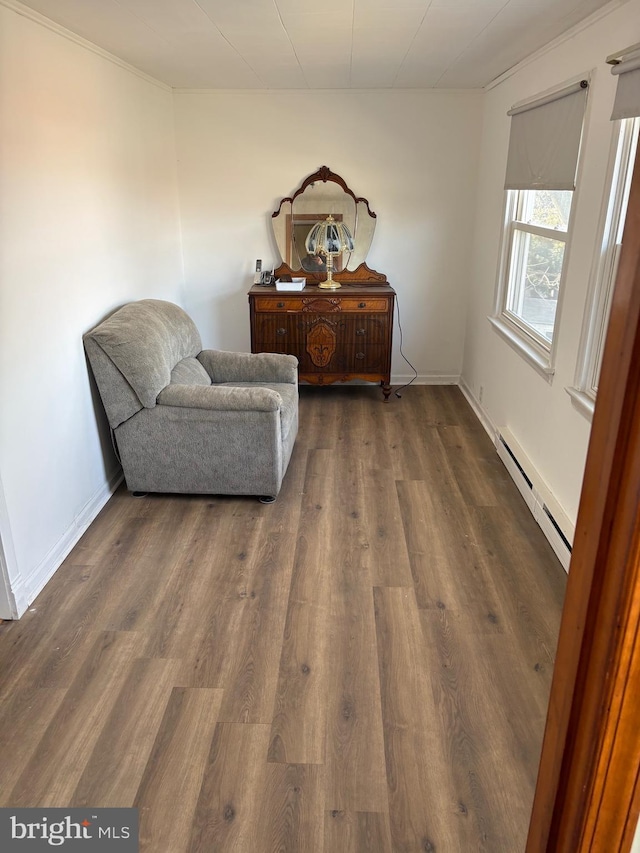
(337, 335)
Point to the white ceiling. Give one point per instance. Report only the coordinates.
(318, 44)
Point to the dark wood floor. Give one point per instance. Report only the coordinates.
(362, 666)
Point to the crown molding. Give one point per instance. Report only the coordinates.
(332, 92)
(58, 29)
(596, 16)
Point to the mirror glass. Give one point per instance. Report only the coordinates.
(320, 195)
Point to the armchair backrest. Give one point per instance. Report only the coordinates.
(134, 351)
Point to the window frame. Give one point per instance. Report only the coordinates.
(534, 347)
(625, 145)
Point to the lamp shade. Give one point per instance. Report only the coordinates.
(329, 238)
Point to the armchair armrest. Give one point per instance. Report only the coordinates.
(220, 399)
(249, 367)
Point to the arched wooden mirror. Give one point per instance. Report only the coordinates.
(323, 194)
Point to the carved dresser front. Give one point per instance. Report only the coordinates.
(336, 335)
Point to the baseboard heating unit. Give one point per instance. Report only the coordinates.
(545, 509)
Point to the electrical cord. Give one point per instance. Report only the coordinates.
(415, 372)
(114, 445)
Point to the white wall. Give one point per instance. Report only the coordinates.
(540, 415)
(412, 154)
(89, 220)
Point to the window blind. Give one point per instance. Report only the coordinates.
(544, 141)
(627, 102)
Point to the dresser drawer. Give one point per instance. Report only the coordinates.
(370, 359)
(354, 303)
(321, 304)
(278, 332)
(367, 329)
(284, 303)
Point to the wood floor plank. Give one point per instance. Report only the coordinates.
(355, 760)
(114, 768)
(387, 556)
(25, 715)
(529, 601)
(298, 731)
(38, 650)
(100, 537)
(477, 468)
(448, 564)
(318, 424)
(43, 649)
(251, 674)
(227, 812)
(138, 599)
(292, 809)
(55, 767)
(482, 755)
(357, 832)
(508, 694)
(221, 591)
(418, 777)
(417, 450)
(437, 405)
(253, 661)
(175, 770)
(189, 592)
(111, 599)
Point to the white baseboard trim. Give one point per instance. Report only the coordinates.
(28, 587)
(490, 428)
(546, 510)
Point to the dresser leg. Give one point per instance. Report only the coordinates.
(386, 390)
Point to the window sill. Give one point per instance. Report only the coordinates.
(584, 403)
(537, 358)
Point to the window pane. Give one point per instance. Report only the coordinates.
(548, 208)
(536, 266)
(612, 242)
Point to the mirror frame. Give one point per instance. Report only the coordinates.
(362, 274)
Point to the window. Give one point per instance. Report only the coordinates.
(544, 144)
(605, 267)
(538, 233)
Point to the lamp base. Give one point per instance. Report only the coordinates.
(330, 284)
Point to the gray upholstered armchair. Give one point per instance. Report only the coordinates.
(190, 420)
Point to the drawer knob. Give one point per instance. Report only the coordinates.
(362, 305)
(280, 305)
(360, 331)
(281, 331)
(359, 355)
